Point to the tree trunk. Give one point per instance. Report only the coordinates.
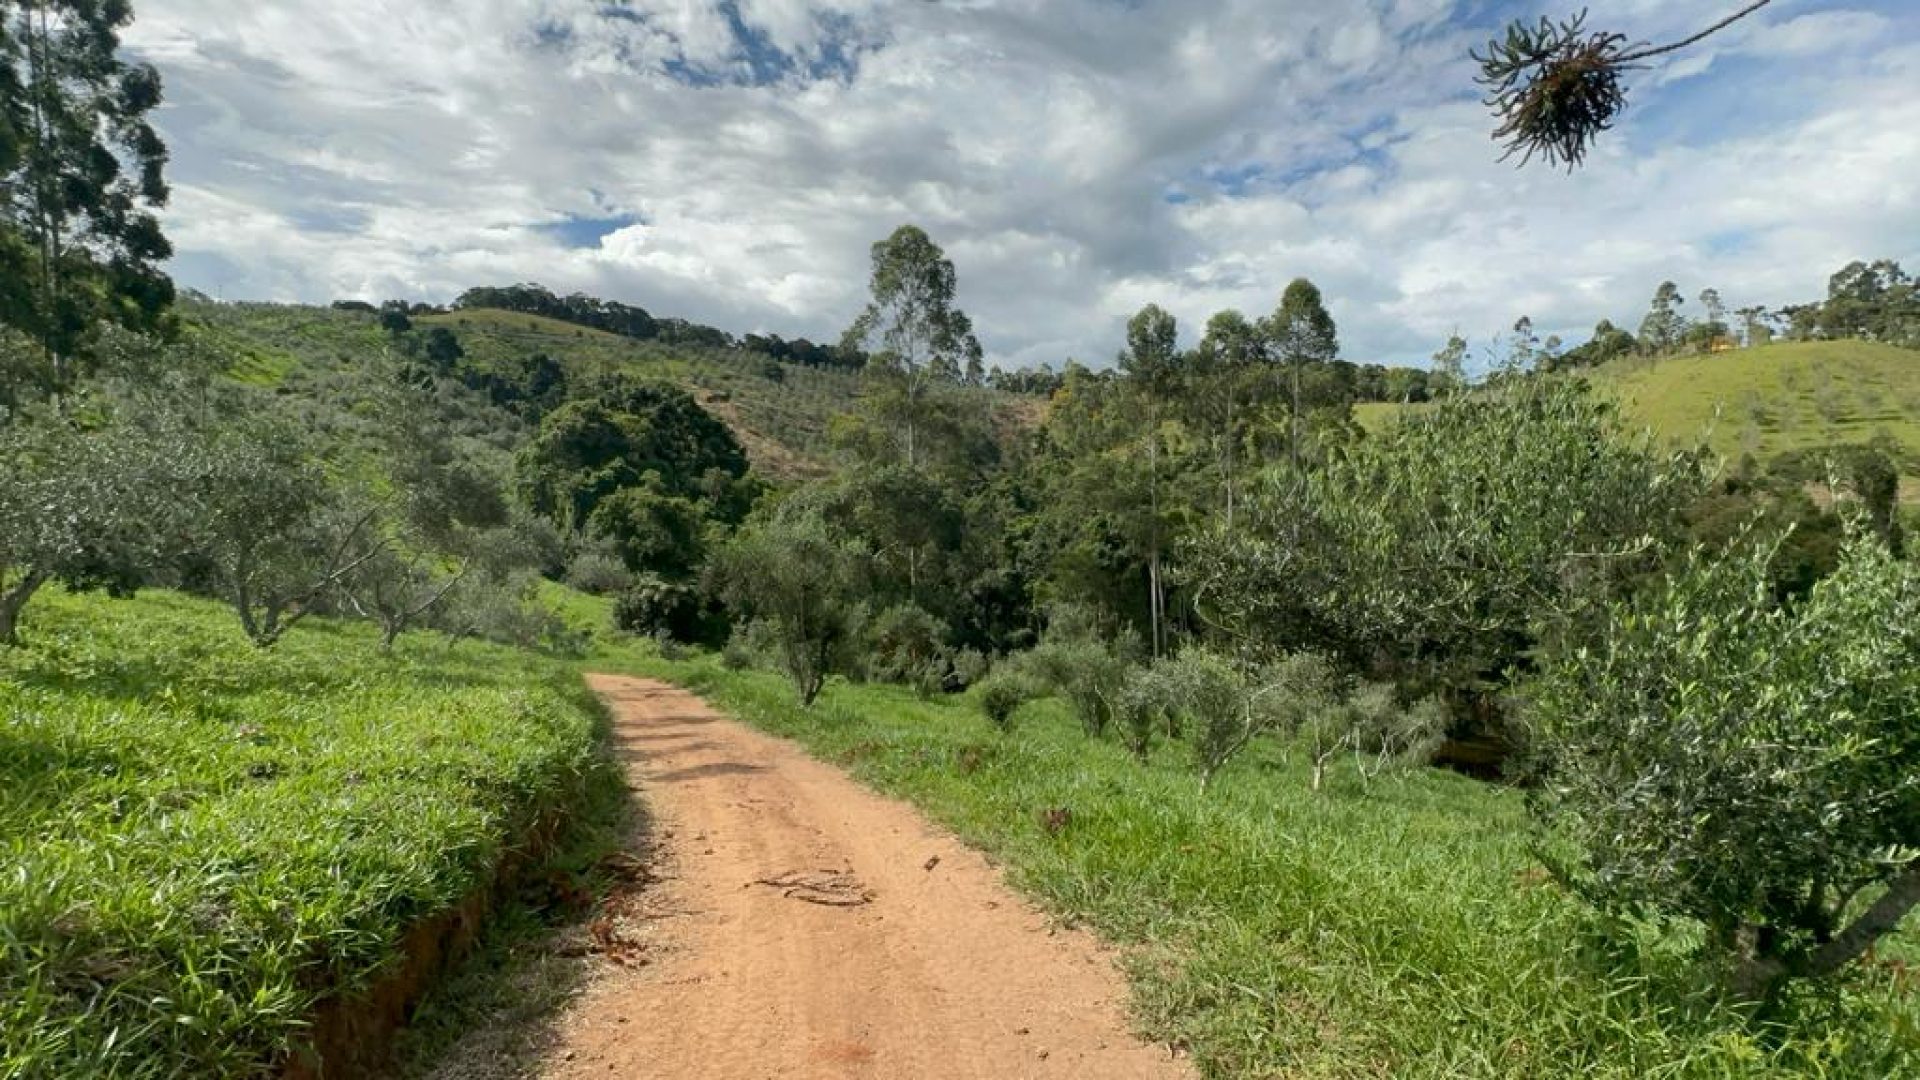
(243, 605)
(15, 599)
(1156, 604)
(1877, 921)
(1232, 438)
(1293, 441)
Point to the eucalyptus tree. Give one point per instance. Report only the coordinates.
(81, 175)
(917, 338)
(1664, 328)
(1230, 352)
(1300, 332)
(1450, 367)
(1152, 362)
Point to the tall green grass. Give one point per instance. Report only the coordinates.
(199, 840)
(1398, 930)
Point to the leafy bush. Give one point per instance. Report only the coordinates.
(508, 611)
(967, 667)
(1140, 709)
(1084, 671)
(1210, 698)
(909, 646)
(84, 506)
(654, 608)
(1305, 690)
(740, 651)
(801, 582)
(1443, 552)
(1724, 758)
(599, 571)
(1386, 735)
(1001, 695)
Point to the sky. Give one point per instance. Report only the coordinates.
(732, 163)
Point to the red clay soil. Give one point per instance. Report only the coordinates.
(802, 926)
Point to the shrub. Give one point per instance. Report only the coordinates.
(599, 571)
(508, 612)
(1447, 550)
(1084, 671)
(1001, 695)
(1304, 691)
(654, 608)
(735, 656)
(1140, 709)
(801, 582)
(908, 646)
(1386, 735)
(1723, 758)
(968, 666)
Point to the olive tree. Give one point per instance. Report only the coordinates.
(277, 535)
(79, 505)
(1443, 552)
(1720, 757)
(397, 586)
(790, 573)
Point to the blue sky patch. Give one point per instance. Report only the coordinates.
(576, 231)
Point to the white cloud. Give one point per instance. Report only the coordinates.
(374, 148)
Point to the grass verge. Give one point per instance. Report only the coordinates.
(1398, 930)
(200, 841)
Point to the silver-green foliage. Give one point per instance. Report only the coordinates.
(801, 581)
(1441, 552)
(1000, 695)
(1722, 758)
(84, 505)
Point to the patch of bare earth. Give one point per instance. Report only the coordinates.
(798, 925)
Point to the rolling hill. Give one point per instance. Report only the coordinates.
(1778, 398)
(1765, 401)
(780, 412)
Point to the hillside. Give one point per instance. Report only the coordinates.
(1765, 401)
(780, 412)
(1778, 398)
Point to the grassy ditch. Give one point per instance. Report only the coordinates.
(1397, 929)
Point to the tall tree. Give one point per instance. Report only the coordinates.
(1227, 355)
(1301, 332)
(917, 337)
(1450, 367)
(1664, 327)
(81, 172)
(1152, 361)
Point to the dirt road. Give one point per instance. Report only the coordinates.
(805, 927)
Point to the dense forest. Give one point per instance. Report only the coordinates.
(1701, 671)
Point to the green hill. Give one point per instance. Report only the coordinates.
(1765, 401)
(780, 412)
(1778, 398)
